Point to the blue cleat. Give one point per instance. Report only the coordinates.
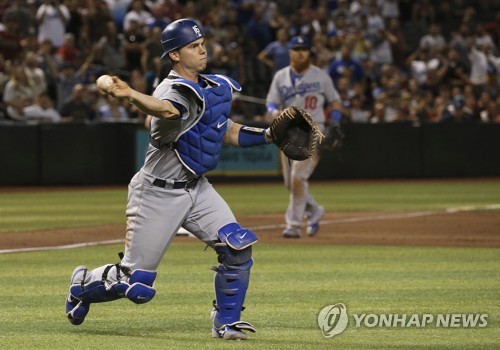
(313, 225)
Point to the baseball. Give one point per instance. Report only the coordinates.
(104, 82)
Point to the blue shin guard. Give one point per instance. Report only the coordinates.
(231, 281)
(230, 291)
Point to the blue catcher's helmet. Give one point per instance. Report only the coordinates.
(178, 34)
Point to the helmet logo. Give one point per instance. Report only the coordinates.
(197, 31)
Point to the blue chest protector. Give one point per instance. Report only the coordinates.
(199, 147)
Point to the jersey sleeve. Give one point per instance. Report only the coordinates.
(182, 100)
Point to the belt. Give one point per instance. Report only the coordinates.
(159, 144)
(177, 184)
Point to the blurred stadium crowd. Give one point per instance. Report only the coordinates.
(391, 60)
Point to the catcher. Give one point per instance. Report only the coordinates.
(307, 86)
(189, 123)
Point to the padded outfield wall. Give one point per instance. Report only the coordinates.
(110, 153)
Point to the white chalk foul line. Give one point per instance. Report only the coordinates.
(59, 247)
(275, 226)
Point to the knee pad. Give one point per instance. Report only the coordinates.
(140, 288)
(237, 237)
(235, 249)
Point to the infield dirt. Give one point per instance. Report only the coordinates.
(463, 228)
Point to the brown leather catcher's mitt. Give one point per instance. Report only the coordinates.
(296, 134)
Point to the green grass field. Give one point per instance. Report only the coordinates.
(290, 283)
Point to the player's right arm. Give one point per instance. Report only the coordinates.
(273, 99)
(148, 104)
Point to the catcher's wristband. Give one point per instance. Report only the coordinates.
(250, 136)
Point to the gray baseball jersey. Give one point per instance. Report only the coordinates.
(312, 91)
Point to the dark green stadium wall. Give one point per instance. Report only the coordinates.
(107, 154)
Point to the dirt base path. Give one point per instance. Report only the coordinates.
(469, 228)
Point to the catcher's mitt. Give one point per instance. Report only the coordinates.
(295, 133)
(334, 138)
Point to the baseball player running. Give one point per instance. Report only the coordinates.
(308, 87)
(190, 121)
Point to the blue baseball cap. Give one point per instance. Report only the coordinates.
(299, 41)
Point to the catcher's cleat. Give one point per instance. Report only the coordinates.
(232, 331)
(291, 232)
(76, 309)
(313, 225)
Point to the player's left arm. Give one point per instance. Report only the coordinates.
(245, 136)
(335, 112)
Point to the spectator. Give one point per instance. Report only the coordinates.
(49, 65)
(158, 18)
(10, 41)
(275, 54)
(389, 9)
(138, 14)
(423, 12)
(322, 54)
(133, 45)
(304, 26)
(77, 108)
(345, 65)
(375, 22)
(381, 52)
(111, 50)
(461, 40)
(418, 62)
(258, 31)
(235, 56)
(35, 74)
(376, 37)
(493, 28)
(322, 23)
(68, 53)
(483, 37)
(151, 50)
(52, 17)
(42, 110)
(18, 93)
(397, 42)
(20, 12)
(342, 10)
(455, 74)
(95, 20)
(69, 77)
(75, 23)
(357, 113)
(480, 64)
(433, 41)
(218, 62)
(112, 111)
(378, 113)
(439, 108)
